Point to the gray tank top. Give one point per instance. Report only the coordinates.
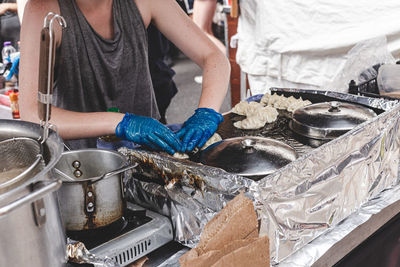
(93, 74)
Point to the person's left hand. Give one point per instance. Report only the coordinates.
(199, 128)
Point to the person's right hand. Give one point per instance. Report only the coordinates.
(149, 132)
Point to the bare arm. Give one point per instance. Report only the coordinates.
(4, 7)
(21, 7)
(70, 124)
(178, 28)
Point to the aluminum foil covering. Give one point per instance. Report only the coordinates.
(78, 253)
(378, 103)
(309, 196)
(311, 252)
(296, 204)
(187, 192)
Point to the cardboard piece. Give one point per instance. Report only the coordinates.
(230, 239)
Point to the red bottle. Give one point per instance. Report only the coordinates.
(14, 105)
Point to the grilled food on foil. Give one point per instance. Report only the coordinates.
(168, 171)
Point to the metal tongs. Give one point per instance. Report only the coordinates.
(46, 71)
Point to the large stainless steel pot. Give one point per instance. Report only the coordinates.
(31, 230)
(92, 203)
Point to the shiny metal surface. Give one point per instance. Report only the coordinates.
(249, 156)
(36, 194)
(314, 193)
(52, 150)
(90, 204)
(319, 249)
(298, 202)
(142, 240)
(22, 161)
(106, 175)
(25, 241)
(329, 120)
(202, 191)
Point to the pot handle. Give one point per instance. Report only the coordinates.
(114, 172)
(33, 196)
(123, 169)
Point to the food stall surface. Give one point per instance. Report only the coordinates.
(373, 228)
(381, 249)
(371, 147)
(123, 252)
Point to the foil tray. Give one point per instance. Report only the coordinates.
(299, 201)
(311, 195)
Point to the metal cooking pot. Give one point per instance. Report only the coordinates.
(30, 223)
(328, 120)
(87, 202)
(249, 156)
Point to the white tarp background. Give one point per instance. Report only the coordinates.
(304, 44)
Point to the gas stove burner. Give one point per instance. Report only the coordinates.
(93, 237)
(137, 217)
(136, 234)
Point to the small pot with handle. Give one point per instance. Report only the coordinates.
(92, 194)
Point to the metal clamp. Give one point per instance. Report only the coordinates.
(45, 98)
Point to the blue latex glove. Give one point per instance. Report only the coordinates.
(199, 128)
(149, 132)
(14, 68)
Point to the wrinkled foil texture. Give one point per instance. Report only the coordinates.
(379, 103)
(78, 253)
(190, 207)
(297, 203)
(311, 252)
(309, 196)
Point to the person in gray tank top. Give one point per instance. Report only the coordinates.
(9, 23)
(102, 62)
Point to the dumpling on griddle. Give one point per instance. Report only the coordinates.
(258, 118)
(213, 139)
(245, 108)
